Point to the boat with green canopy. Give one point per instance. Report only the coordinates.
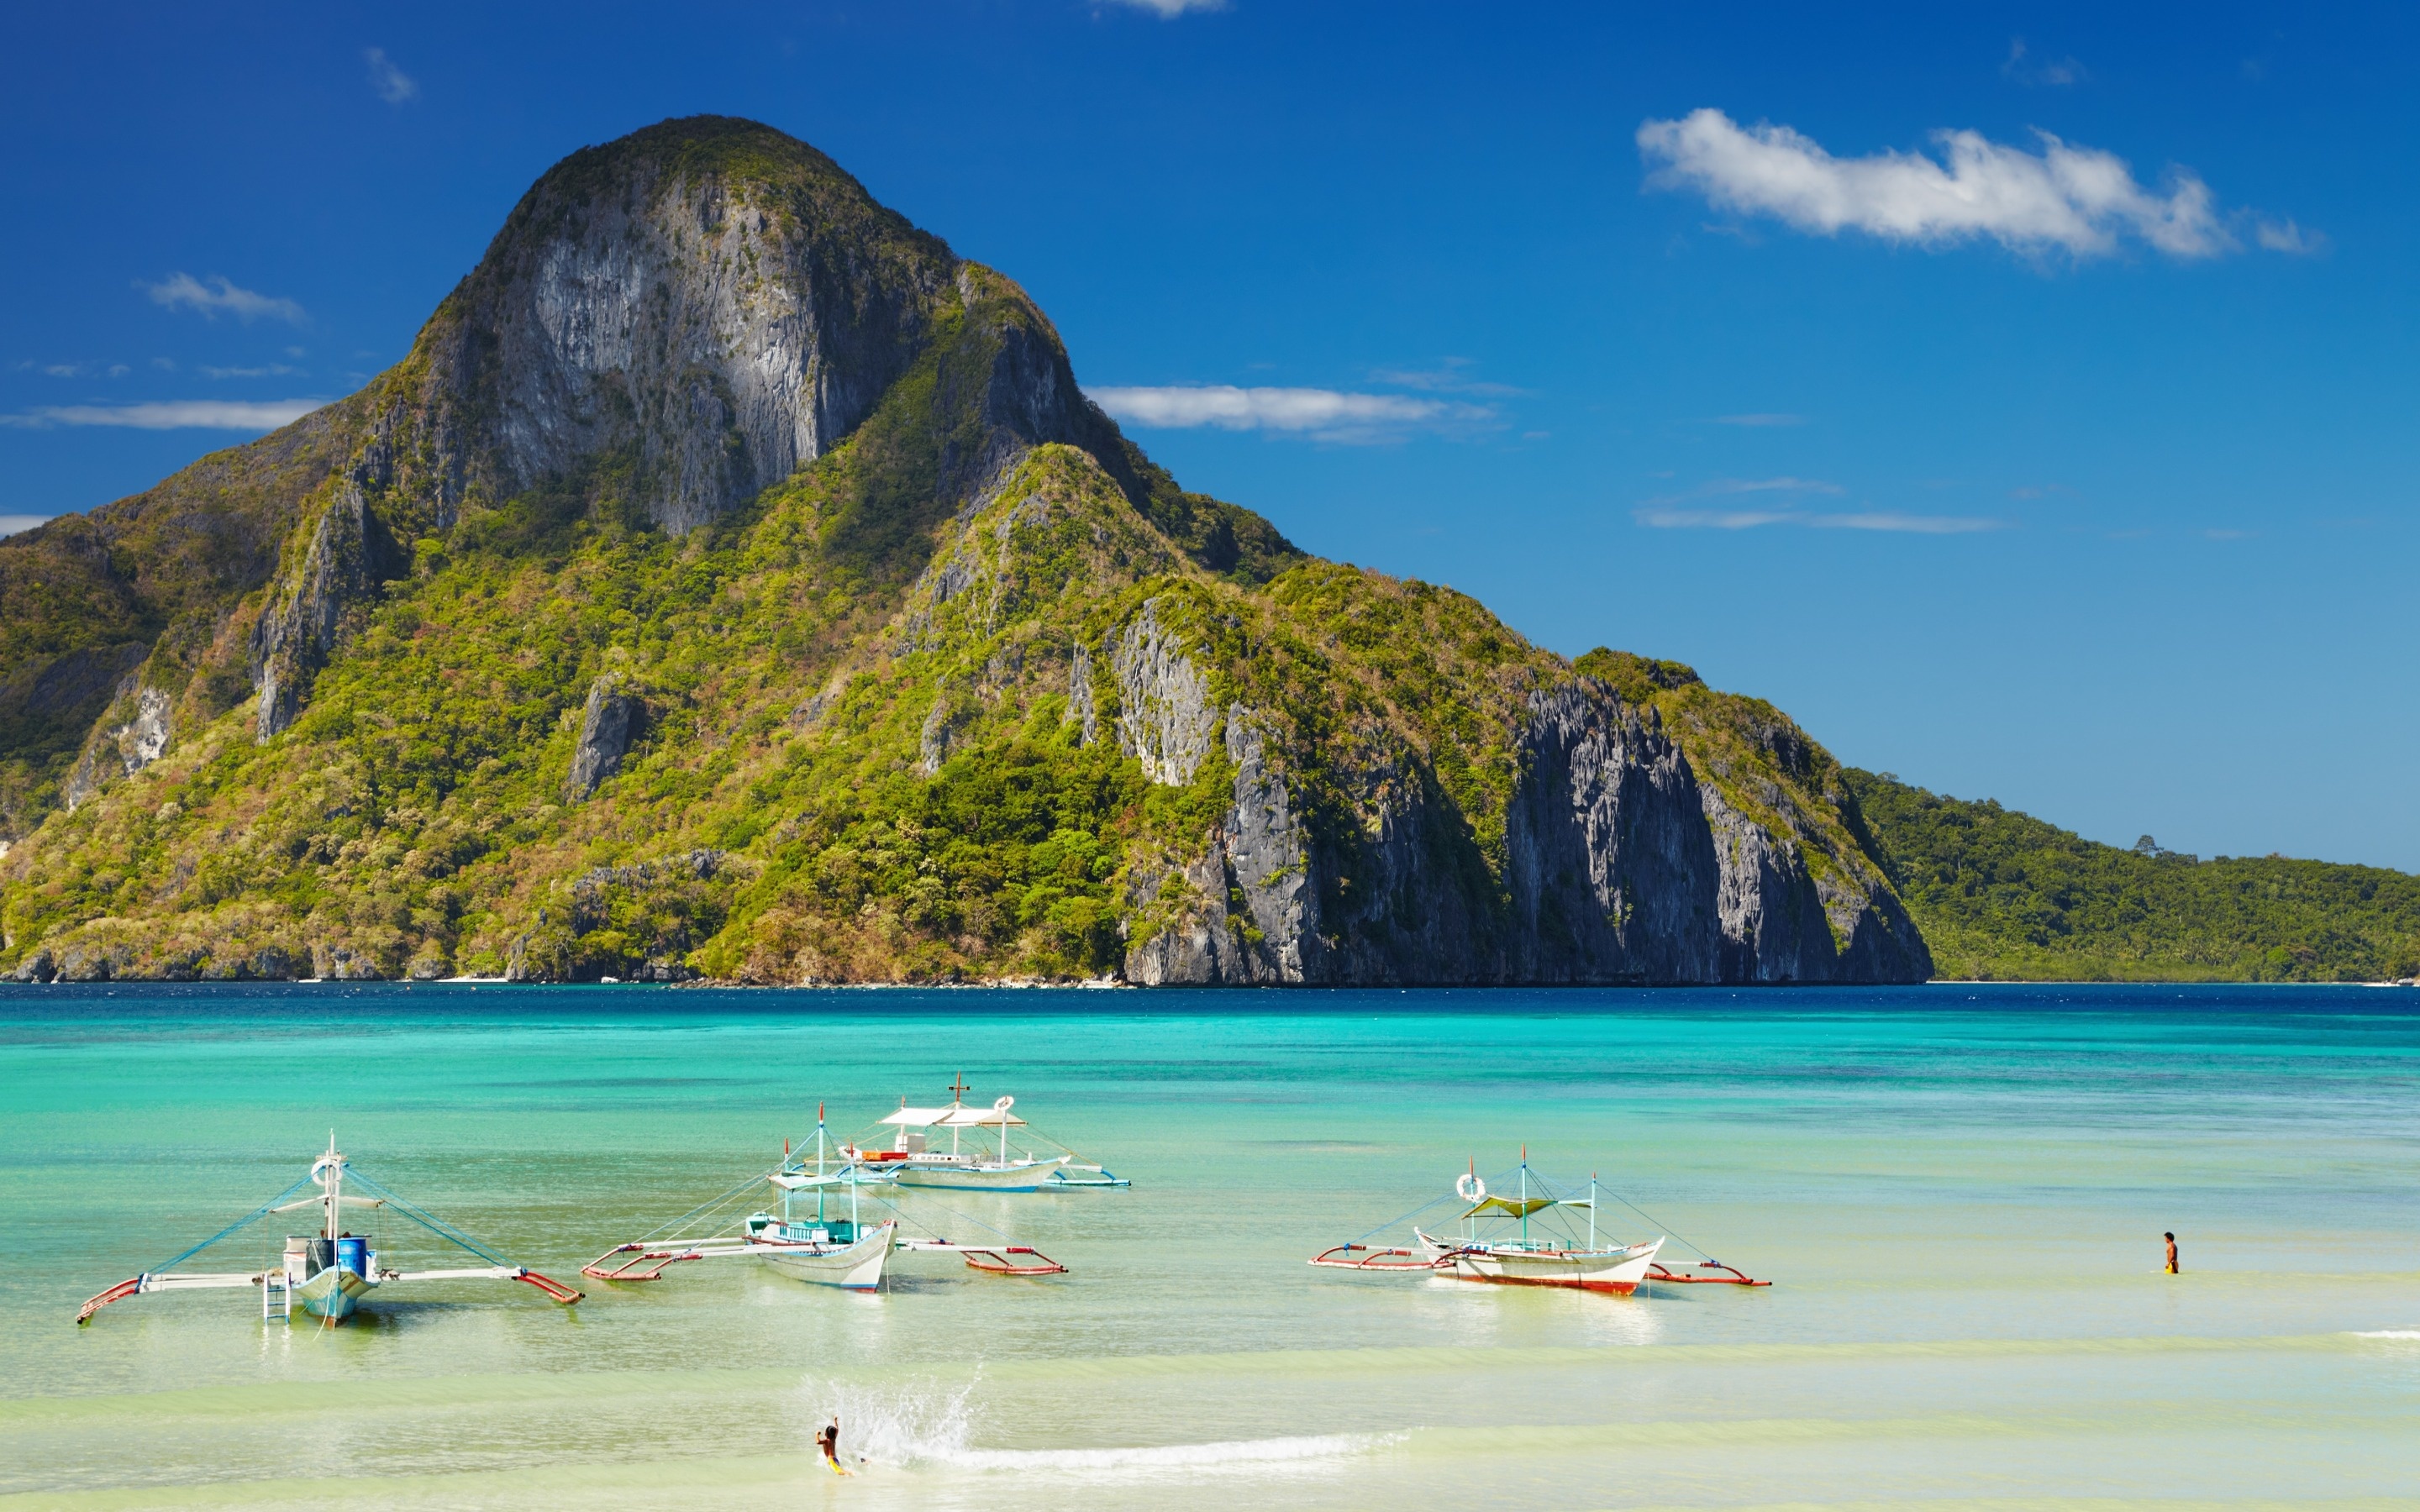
(1527, 1231)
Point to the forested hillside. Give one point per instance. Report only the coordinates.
(2001, 895)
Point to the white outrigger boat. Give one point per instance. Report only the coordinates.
(327, 1274)
(824, 1250)
(911, 1161)
(1549, 1248)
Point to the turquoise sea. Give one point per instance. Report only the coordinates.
(1958, 1193)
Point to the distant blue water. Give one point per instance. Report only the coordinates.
(1958, 1193)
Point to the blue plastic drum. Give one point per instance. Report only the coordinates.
(354, 1255)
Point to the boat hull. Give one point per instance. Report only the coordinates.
(334, 1294)
(856, 1267)
(1017, 1176)
(1616, 1272)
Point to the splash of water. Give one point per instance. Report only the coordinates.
(930, 1424)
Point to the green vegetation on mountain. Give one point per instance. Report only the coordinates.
(2003, 896)
(732, 582)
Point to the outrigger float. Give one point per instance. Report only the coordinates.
(327, 1274)
(907, 1156)
(1548, 1249)
(825, 1249)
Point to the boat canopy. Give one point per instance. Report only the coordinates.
(951, 1117)
(1519, 1206)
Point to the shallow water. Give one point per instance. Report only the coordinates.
(1959, 1193)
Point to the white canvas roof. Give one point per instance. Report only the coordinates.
(953, 1118)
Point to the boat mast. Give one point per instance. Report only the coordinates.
(334, 1184)
(1525, 1196)
(1591, 1209)
(819, 1162)
(958, 1090)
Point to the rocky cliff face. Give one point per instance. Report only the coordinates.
(1622, 866)
(943, 679)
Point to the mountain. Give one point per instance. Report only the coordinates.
(2002, 895)
(734, 583)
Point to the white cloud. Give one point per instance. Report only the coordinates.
(2057, 73)
(272, 370)
(1689, 512)
(2286, 237)
(1323, 414)
(1170, 10)
(1748, 519)
(184, 289)
(171, 414)
(1760, 419)
(393, 84)
(1446, 377)
(2079, 200)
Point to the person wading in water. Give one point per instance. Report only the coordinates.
(2172, 1253)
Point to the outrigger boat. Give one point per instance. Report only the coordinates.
(912, 1163)
(1549, 1247)
(327, 1274)
(826, 1249)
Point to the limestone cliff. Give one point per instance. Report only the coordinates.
(734, 583)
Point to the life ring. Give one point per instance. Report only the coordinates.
(1004, 1104)
(1469, 1188)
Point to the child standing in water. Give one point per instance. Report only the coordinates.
(827, 1439)
(2172, 1253)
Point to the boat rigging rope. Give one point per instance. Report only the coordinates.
(263, 1212)
(1654, 1222)
(431, 1222)
(1402, 1219)
(954, 1213)
(709, 1205)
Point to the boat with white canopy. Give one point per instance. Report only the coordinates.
(982, 1156)
(842, 1244)
(327, 1274)
(1527, 1230)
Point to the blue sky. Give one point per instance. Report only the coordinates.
(2020, 397)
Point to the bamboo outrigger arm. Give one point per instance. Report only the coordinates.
(201, 1281)
(995, 1259)
(171, 1281)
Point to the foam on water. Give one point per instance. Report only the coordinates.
(931, 1425)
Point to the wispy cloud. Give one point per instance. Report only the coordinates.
(1449, 376)
(1760, 419)
(185, 292)
(170, 415)
(393, 84)
(2056, 73)
(1170, 9)
(1666, 519)
(71, 370)
(2079, 200)
(1694, 511)
(272, 370)
(11, 524)
(1322, 415)
(2290, 239)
